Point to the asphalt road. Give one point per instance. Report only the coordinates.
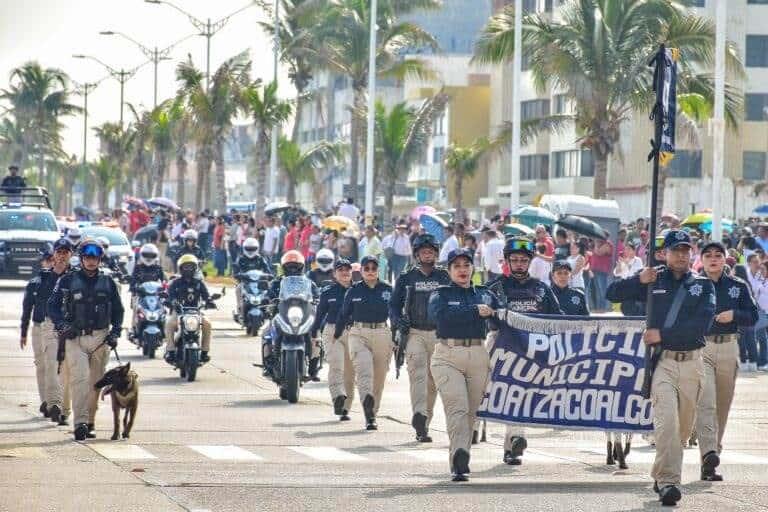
(227, 443)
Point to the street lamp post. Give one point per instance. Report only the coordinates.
(718, 123)
(207, 29)
(275, 129)
(371, 118)
(517, 69)
(153, 54)
(121, 76)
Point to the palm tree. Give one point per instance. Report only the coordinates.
(598, 56)
(162, 143)
(180, 133)
(462, 163)
(402, 137)
(12, 142)
(299, 166)
(214, 110)
(106, 174)
(268, 112)
(39, 98)
(344, 29)
(117, 144)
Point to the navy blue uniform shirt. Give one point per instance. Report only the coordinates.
(331, 299)
(422, 285)
(60, 294)
(731, 293)
(454, 310)
(696, 313)
(36, 296)
(528, 296)
(364, 304)
(572, 300)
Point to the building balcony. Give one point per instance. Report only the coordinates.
(425, 176)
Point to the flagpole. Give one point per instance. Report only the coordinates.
(718, 122)
(517, 70)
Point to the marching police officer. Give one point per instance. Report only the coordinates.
(364, 311)
(86, 310)
(523, 294)
(187, 291)
(682, 313)
(412, 320)
(735, 309)
(572, 300)
(460, 364)
(341, 376)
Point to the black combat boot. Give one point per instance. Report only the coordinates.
(81, 432)
(708, 464)
(669, 495)
(44, 409)
(370, 415)
(338, 405)
(314, 368)
(55, 414)
(204, 357)
(344, 415)
(419, 423)
(512, 457)
(91, 431)
(609, 460)
(460, 465)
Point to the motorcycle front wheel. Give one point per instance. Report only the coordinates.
(292, 376)
(192, 362)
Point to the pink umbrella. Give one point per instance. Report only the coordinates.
(420, 210)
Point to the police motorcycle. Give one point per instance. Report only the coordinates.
(150, 317)
(188, 338)
(253, 299)
(289, 335)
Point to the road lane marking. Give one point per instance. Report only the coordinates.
(692, 457)
(121, 451)
(229, 452)
(327, 454)
(23, 452)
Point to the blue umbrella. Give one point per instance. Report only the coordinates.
(433, 225)
(761, 210)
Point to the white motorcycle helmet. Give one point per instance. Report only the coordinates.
(74, 236)
(190, 234)
(324, 260)
(104, 241)
(148, 255)
(250, 247)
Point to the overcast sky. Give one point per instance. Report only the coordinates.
(51, 31)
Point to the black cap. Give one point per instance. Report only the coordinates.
(714, 245)
(341, 263)
(13, 166)
(560, 265)
(62, 243)
(676, 238)
(369, 259)
(460, 253)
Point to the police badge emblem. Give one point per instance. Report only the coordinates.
(734, 292)
(386, 295)
(696, 290)
(576, 300)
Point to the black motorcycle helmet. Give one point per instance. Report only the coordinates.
(518, 245)
(425, 240)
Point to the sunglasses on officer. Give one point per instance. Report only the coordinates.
(521, 245)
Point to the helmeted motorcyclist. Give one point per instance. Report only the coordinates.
(190, 246)
(323, 274)
(187, 291)
(292, 264)
(74, 236)
(146, 269)
(109, 261)
(250, 259)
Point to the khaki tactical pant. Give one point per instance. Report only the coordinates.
(87, 359)
(418, 355)
(370, 351)
(56, 384)
(675, 391)
(461, 374)
(341, 374)
(172, 322)
(721, 364)
(37, 350)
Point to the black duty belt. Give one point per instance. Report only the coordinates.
(369, 325)
(462, 342)
(681, 356)
(721, 338)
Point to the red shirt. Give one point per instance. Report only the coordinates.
(138, 219)
(218, 236)
(602, 262)
(290, 239)
(549, 246)
(304, 240)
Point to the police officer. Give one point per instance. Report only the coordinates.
(250, 259)
(13, 181)
(364, 311)
(412, 320)
(523, 294)
(86, 310)
(735, 309)
(460, 364)
(572, 300)
(323, 275)
(145, 270)
(187, 291)
(682, 313)
(34, 308)
(341, 376)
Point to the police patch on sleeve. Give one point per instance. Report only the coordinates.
(576, 300)
(734, 292)
(386, 295)
(696, 290)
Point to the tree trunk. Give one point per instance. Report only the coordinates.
(103, 198)
(221, 183)
(41, 166)
(356, 149)
(458, 191)
(297, 115)
(291, 192)
(181, 173)
(162, 164)
(262, 160)
(601, 174)
(389, 199)
(200, 163)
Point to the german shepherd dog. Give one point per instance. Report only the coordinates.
(122, 384)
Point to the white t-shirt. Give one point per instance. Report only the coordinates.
(271, 239)
(452, 243)
(625, 270)
(493, 255)
(540, 269)
(349, 211)
(577, 278)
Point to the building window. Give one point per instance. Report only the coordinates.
(755, 105)
(758, 2)
(534, 109)
(587, 163)
(757, 51)
(438, 127)
(698, 3)
(754, 165)
(563, 104)
(685, 164)
(530, 6)
(437, 155)
(526, 61)
(534, 167)
(565, 164)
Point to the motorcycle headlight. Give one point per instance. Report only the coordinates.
(295, 314)
(253, 300)
(152, 316)
(191, 323)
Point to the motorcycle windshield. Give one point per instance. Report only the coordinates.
(254, 275)
(253, 288)
(296, 287)
(150, 288)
